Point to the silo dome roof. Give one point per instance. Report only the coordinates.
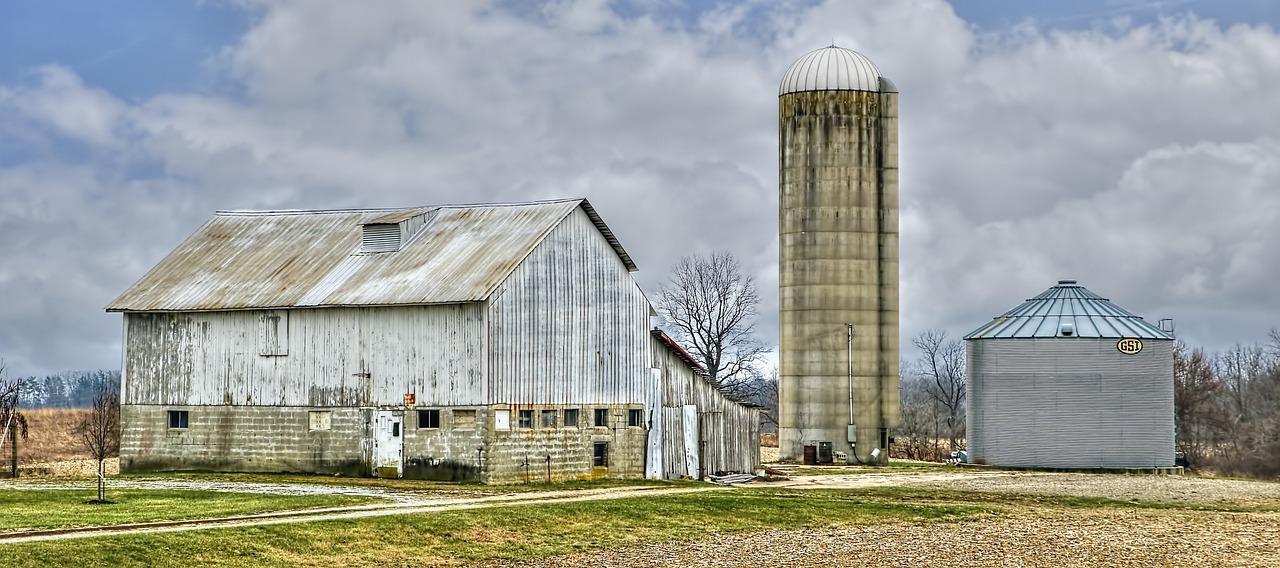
(1068, 310)
(831, 69)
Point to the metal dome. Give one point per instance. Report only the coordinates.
(831, 69)
(1068, 306)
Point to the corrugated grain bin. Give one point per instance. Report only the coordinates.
(1070, 380)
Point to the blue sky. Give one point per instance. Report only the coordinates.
(1130, 145)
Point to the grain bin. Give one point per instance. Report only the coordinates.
(1070, 380)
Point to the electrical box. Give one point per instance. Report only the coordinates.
(853, 433)
(824, 452)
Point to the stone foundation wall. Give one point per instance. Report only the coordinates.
(463, 443)
(242, 438)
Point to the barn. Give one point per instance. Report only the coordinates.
(1069, 380)
(496, 342)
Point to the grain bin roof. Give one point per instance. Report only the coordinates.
(1089, 314)
(277, 259)
(832, 69)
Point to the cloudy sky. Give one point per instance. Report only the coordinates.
(1133, 145)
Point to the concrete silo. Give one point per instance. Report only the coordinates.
(837, 257)
(1070, 380)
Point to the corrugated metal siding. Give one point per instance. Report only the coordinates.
(1070, 403)
(212, 358)
(569, 325)
(248, 260)
(1091, 315)
(729, 432)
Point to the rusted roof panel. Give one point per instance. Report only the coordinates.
(276, 259)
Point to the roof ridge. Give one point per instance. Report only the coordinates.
(265, 212)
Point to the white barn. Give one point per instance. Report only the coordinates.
(492, 342)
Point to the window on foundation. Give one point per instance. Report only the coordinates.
(600, 454)
(526, 419)
(547, 419)
(502, 420)
(570, 418)
(635, 417)
(601, 418)
(429, 418)
(177, 418)
(319, 420)
(464, 419)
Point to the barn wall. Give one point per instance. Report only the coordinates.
(242, 438)
(1070, 403)
(307, 357)
(569, 446)
(729, 432)
(569, 325)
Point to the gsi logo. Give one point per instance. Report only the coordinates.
(1129, 346)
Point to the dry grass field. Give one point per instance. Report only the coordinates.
(52, 438)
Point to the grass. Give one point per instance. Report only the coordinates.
(51, 436)
(514, 533)
(502, 534)
(397, 484)
(27, 509)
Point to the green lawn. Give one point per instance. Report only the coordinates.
(25, 509)
(512, 533)
(397, 484)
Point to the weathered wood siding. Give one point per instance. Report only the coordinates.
(728, 432)
(335, 357)
(1070, 403)
(569, 325)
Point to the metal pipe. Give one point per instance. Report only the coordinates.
(850, 328)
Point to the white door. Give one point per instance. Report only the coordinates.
(388, 443)
(691, 441)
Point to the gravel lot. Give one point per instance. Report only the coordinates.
(1119, 538)
(1049, 536)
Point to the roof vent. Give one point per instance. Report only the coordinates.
(1066, 328)
(1066, 282)
(380, 237)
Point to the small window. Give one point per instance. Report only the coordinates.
(319, 420)
(464, 419)
(548, 419)
(429, 418)
(570, 418)
(177, 418)
(635, 417)
(600, 454)
(502, 420)
(601, 417)
(526, 419)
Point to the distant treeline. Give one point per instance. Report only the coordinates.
(71, 389)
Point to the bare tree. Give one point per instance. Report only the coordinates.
(12, 423)
(941, 364)
(1196, 410)
(916, 437)
(99, 431)
(712, 305)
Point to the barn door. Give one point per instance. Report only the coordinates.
(691, 441)
(388, 443)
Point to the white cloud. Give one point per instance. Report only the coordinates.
(1139, 159)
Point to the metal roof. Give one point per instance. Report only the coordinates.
(277, 259)
(832, 69)
(1088, 314)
